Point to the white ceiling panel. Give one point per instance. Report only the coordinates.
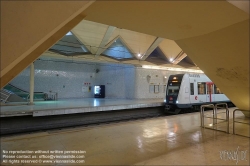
(90, 34)
(170, 48)
(137, 42)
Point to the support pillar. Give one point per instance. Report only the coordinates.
(32, 75)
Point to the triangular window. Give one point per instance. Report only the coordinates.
(118, 50)
(187, 62)
(69, 46)
(157, 57)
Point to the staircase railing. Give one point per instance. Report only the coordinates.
(5, 94)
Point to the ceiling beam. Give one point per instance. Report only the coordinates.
(153, 46)
(179, 57)
(105, 40)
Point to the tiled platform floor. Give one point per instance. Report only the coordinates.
(68, 106)
(169, 140)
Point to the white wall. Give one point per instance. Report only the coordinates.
(68, 79)
(118, 80)
(65, 78)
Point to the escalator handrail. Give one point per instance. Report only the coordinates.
(23, 90)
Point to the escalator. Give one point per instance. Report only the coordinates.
(19, 95)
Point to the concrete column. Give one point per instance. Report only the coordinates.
(32, 75)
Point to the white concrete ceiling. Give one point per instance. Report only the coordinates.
(98, 37)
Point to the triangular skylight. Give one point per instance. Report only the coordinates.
(186, 62)
(157, 57)
(118, 50)
(69, 33)
(69, 46)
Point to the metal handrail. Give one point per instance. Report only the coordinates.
(4, 95)
(224, 105)
(215, 107)
(238, 122)
(202, 112)
(28, 99)
(53, 95)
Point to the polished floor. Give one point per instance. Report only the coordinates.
(168, 140)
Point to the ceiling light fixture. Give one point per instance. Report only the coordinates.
(172, 69)
(171, 59)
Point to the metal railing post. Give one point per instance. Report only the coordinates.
(238, 121)
(234, 121)
(201, 116)
(224, 105)
(214, 117)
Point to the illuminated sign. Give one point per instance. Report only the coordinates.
(194, 75)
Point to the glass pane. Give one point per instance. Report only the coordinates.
(191, 88)
(201, 88)
(173, 90)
